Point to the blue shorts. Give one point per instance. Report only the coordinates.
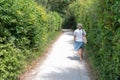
(78, 45)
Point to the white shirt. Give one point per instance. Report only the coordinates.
(79, 34)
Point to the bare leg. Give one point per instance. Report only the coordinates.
(80, 52)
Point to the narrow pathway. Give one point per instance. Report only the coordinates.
(62, 63)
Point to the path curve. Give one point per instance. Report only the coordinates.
(62, 62)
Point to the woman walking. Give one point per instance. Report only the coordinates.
(79, 33)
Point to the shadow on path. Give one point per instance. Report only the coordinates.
(66, 74)
(74, 58)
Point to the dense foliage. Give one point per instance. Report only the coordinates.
(101, 20)
(60, 6)
(25, 30)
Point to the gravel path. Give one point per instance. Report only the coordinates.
(62, 63)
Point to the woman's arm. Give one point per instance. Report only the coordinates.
(74, 38)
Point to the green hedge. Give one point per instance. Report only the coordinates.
(54, 24)
(24, 33)
(101, 20)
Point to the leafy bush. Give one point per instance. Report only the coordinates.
(102, 25)
(24, 27)
(54, 24)
(11, 62)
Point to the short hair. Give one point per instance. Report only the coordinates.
(79, 24)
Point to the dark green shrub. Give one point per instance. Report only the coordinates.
(100, 19)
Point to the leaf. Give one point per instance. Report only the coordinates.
(119, 20)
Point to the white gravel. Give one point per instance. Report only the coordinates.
(62, 63)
